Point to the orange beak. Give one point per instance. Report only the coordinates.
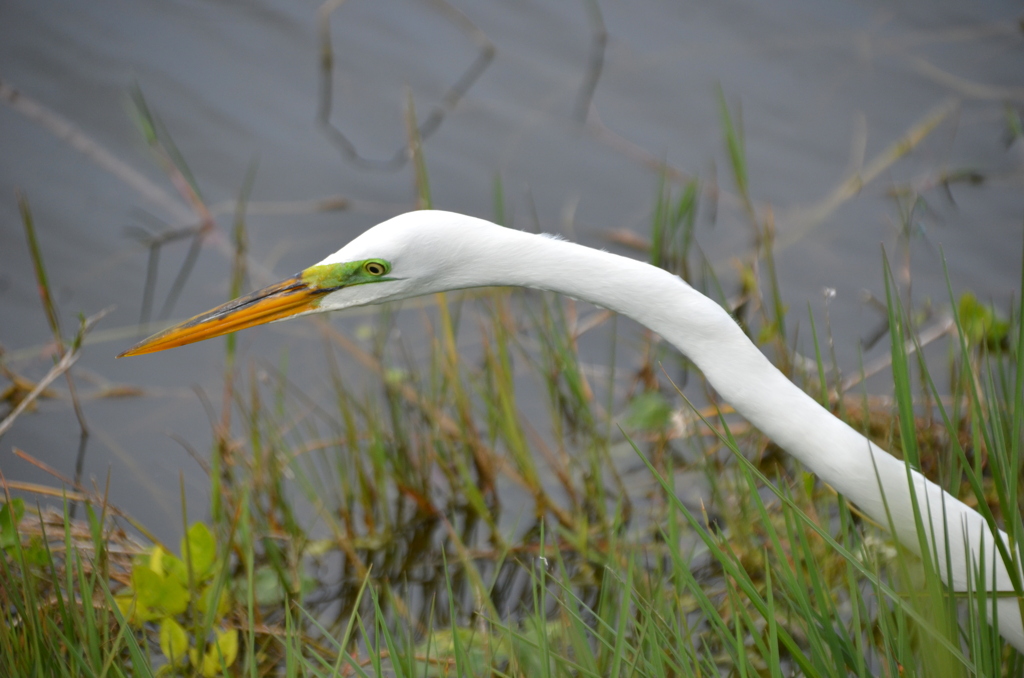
(281, 300)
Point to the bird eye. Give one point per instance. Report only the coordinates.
(375, 267)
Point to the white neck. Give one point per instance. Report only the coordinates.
(704, 332)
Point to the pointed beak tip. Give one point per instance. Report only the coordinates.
(133, 351)
(276, 302)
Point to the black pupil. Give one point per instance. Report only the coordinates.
(374, 269)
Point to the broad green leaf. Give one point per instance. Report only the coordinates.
(267, 587)
(475, 650)
(164, 564)
(174, 567)
(201, 547)
(648, 411)
(126, 603)
(534, 635)
(37, 553)
(174, 596)
(982, 326)
(173, 641)
(156, 560)
(147, 585)
(223, 602)
(158, 596)
(142, 613)
(227, 645)
(220, 655)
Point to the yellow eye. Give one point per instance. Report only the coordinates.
(375, 267)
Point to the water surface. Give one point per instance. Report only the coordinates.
(822, 88)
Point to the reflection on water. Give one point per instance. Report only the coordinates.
(824, 92)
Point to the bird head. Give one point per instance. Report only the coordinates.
(410, 255)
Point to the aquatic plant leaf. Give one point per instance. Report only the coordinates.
(36, 553)
(174, 597)
(157, 595)
(475, 657)
(220, 655)
(205, 598)
(201, 547)
(267, 587)
(981, 325)
(648, 411)
(126, 604)
(173, 641)
(146, 583)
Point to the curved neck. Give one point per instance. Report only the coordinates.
(706, 334)
(882, 486)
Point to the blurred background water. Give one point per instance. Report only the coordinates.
(823, 88)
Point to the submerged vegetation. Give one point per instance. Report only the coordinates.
(430, 527)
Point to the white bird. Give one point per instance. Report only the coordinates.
(432, 251)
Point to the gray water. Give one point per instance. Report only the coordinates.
(819, 85)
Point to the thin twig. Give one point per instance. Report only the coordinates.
(432, 122)
(964, 87)
(67, 131)
(77, 494)
(183, 273)
(802, 220)
(62, 366)
(332, 203)
(940, 329)
(173, 164)
(53, 317)
(595, 65)
(155, 242)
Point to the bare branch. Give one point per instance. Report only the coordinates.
(433, 120)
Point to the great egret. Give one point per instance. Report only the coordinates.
(432, 251)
